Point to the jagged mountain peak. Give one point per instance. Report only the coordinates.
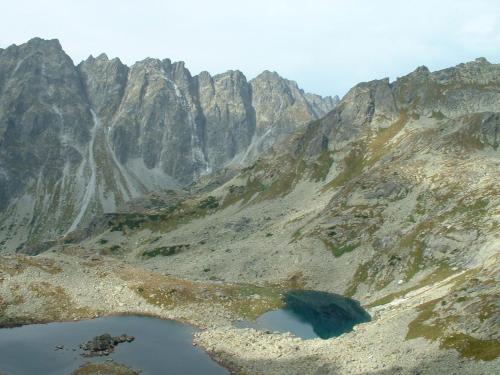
(231, 73)
(49, 48)
(42, 43)
(273, 79)
(118, 132)
(101, 57)
(268, 74)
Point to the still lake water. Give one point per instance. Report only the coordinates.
(163, 346)
(310, 314)
(160, 347)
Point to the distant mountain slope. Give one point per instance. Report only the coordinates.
(78, 141)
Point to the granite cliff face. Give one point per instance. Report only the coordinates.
(77, 141)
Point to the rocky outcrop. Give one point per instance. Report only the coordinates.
(104, 345)
(469, 89)
(78, 141)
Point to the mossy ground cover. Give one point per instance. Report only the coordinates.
(360, 276)
(165, 220)
(442, 272)
(340, 250)
(321, 166)
(243, 300)
(18, 264)
(251, 301)
(379, 145)
(265, 181)
(56, 304)
(471, 347)
(114, 250)
(354, 163)
(243, 194)
(430, 326)
(165, 251)
(440, 319)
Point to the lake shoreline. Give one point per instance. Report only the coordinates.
(67, 341)
(58, 287)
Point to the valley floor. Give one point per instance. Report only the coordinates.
(55, 287)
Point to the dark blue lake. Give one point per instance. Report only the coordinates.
(160, 347)
(311, 314)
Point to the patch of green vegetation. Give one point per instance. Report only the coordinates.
(210, 203)
(103, 241)
(360, 276)
(253, 187)
(378, 146)
(438, 115)
(321, 166)
(245, 304)
(285, 181)
(266, 182)
(441, 273)
(338, 251)
(354, 164)
(466, 345)
(130, 221)
(55, 303)
(297, 235)
(16, 265)
(474, 210)
(487, 307)
(386, 299)
(418, 328)
(416, 260)
(243, 194)
(164, 251)
(244, 300)
(163, 220)
(174, 219)
(408, 244)
(471, 347)
(153, 240)
(112, 250)
(417, 248)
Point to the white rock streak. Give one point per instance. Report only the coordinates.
(90, 190)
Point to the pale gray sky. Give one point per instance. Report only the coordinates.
(327, 46)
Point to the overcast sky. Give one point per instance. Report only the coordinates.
(327, 46)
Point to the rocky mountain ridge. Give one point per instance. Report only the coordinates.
(77, 141)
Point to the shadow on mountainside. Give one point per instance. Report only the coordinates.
(445, 363)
